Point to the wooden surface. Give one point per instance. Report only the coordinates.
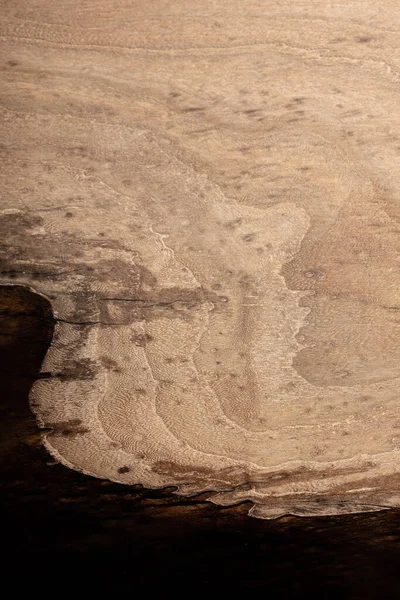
(64, 530)
(209, 198)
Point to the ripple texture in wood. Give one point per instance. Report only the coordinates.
(209, 196)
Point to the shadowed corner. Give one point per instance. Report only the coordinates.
(26, 331)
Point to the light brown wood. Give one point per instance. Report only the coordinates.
(209, 196)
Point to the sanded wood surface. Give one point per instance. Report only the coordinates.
(63, 529)
(209, 196)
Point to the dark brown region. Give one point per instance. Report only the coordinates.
(241, 480)
(123, 470)
(80, 530)
(174, 303)
(141, 339)
(27, 255)
(70, 428)
(19, 249)
(136, 296)
(81, 369)
(110, 364)
(167, 467)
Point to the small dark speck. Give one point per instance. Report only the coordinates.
(248, 237)
(12, 63)
(313, 273)
(123, 470)
(364, 39)
(193, 109)
(365, 398)
(141, 391)
(69, 215)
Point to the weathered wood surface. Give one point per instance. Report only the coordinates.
(209, 196)
(62, 529)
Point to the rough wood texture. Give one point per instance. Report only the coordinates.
(75, 531)
(210, 199)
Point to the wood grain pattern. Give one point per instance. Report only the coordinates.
(209, 196)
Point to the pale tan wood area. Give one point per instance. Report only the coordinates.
(209, 195)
